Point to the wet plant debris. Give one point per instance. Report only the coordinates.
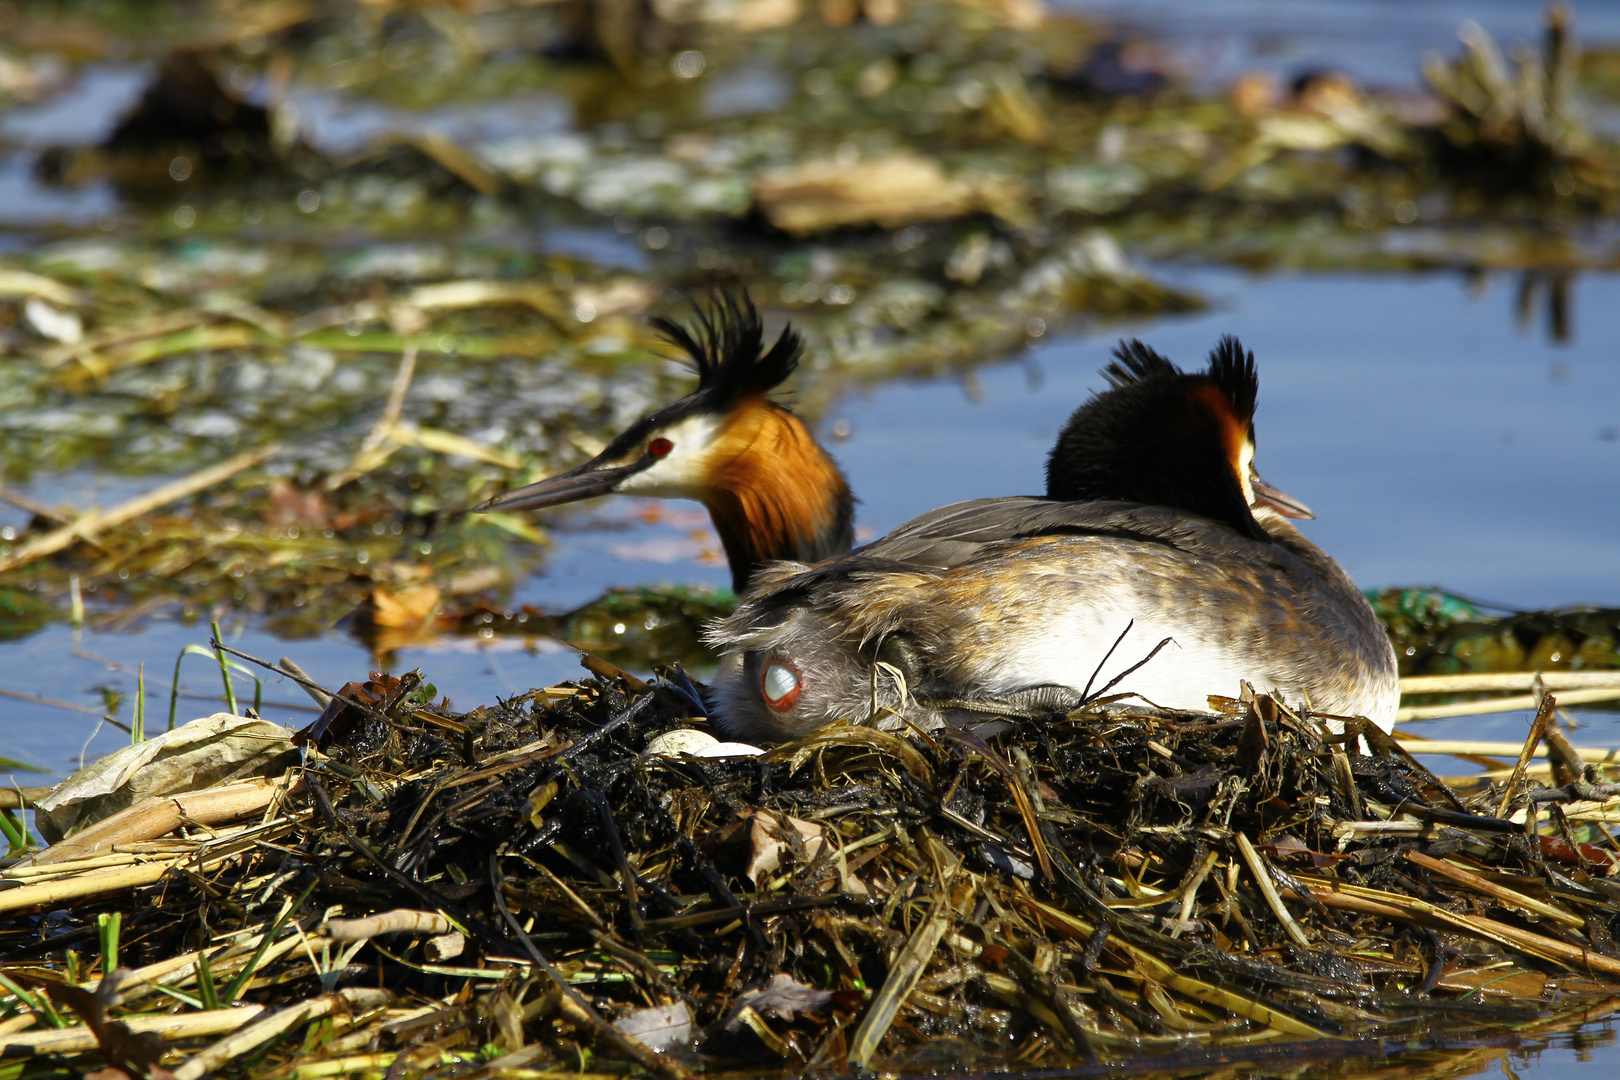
(549, 882)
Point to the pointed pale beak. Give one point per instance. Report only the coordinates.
(581, 482)
(1284, 504)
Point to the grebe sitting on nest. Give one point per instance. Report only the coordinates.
(1157, 566)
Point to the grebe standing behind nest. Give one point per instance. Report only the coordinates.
(771, 490)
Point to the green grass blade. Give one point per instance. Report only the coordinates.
(224, 669)
(205, 982)
(258, 687)
(40, 1004)
(16, 835)
(137, 727)
(174, 690)
(242, 977)
(108, 927)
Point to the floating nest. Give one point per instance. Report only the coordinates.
(527, 887)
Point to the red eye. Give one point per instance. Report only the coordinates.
(780, 684)
(660, 447)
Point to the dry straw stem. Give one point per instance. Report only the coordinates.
(1531, 741)
(398, 921)
(91, 522)
(1599, 755)
(908, 967)
(93, 884)
(450, 444)
(27, 871)
(342, 1066)
(262, 1031)
(446, 153)
(1607, 811)
(379, 431)
(1510, 680)
(32, 506)
(84, 350)
(1500, 892)
(152, 818)
(1390, 905)
(1152, 967)
(22, 283)
(21, 798)
(76, 1040)
(181, 970)
(1507, 704)
(120, 879)
(1268, 889)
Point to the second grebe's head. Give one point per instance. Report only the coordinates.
(771, 489)
(669, 452)
(1165, 437)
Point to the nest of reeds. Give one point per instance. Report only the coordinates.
(526, 885)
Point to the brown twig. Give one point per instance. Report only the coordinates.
(379, 431)
(95, 521)
(1531, 741)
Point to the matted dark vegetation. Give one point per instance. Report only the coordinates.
(1119, 888)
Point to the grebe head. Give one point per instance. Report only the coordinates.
(772, 491)
(1166, 437)
(802, 675)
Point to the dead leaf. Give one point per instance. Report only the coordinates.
(412, 607)
(123, 1048)
(662, 1028)
(889, 191)
(784, 997)
(772, 837)
(1254, 93)
(286, 505)
(342, 714)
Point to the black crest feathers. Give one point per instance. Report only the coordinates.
(1156, 437)
(1232, 370)
(1134, 362)
(726, 347)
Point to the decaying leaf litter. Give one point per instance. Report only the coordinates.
(363, 328)
(537, 885)
(919, 187)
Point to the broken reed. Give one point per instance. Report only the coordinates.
(1111, 886)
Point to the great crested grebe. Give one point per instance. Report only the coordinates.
(771, 490)
(1155, 531)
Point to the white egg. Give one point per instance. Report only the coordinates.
(680, 741)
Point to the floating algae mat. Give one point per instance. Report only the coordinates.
(539, 886)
